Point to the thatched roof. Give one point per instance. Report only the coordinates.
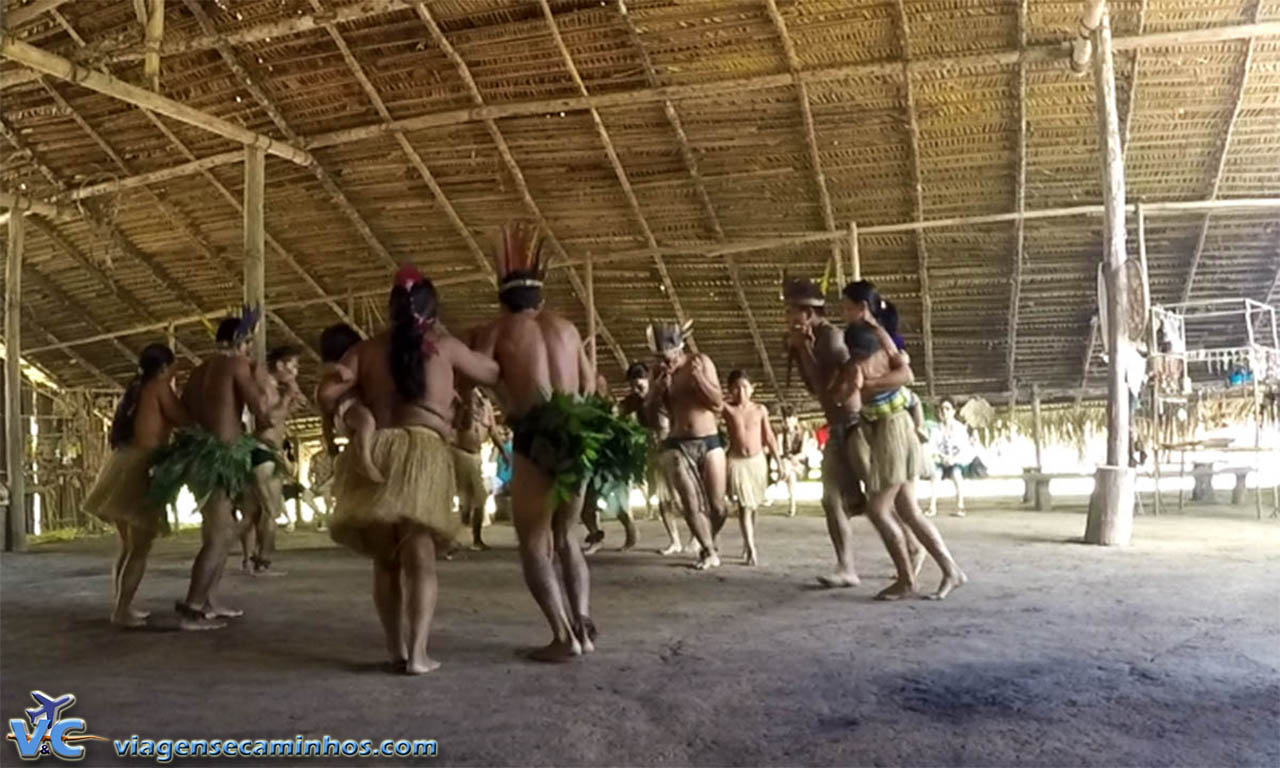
(724, 153)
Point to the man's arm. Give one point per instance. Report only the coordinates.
(476, 367)
(171, 408)
(707, 383)
(848, 382)
(770, 439)
(245, 382)
(338, 381)
(900, 376)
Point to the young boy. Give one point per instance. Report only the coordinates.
(352, 417)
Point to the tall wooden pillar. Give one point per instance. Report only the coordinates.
(255, 278)
(1110, 519)
(1037, 426)
(15, 442)
(591, 318)
(855, 258)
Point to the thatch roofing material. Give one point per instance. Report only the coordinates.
(749, 144)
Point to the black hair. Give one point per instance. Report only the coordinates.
(227, 330)
(947, 400)
(413, 309)
(282, 354)
(153, 359)
(518, 298)
(336, 341)
(885, 313)
(861, 341)
(736, 374)
(637, 371)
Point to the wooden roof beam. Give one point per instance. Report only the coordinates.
(406, 148)
(227, 53)
(810, 134)
(1127, 126)
(31, 322)
(62, 298)
(691, 165)
(513, 168)
(1216, 182)
(668, 286)
(50, 64)
(1020, 202)
(30, 12)
(922, 253)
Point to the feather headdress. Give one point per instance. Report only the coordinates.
(518, 255)
(248, 321)
(802, 292)
(668, 336)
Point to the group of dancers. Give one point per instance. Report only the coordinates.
(407, 400)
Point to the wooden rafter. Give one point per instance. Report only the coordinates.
(624, 182)
(513, 168)
(339, 198)
(22, 14)
(691, 165)
(922, 254)
(810, 134)
(1020, 202)
(31, 322)
(46, 285)
(1087, 362)
(1216, 182)
(1132, 102)
(407, 149)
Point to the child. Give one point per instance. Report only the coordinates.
(351, 416)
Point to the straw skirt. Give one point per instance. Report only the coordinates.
(887, 451)
(120, 493)
(468, 474)
(749, 480)
(417, 464)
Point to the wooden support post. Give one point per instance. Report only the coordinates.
(591, 310)
(855, 257)
(155, 34)
(255, 283)
(1037, 426)
(15, 441)
(1111, 508)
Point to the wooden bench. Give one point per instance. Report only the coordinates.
(1035, 488)
(1202, 472)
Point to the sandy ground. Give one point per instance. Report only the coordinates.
(1165, 653)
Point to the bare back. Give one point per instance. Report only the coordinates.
(158, 413)
(539, 353)
(215, 395)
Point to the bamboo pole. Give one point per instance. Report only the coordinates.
(50, 64)
(1020, 202)
(14, 202)
(591, 311)
(15, 440)
(154, 36)
(1037, 426)
(23, 13)
(1110, 519)
(855, 257)
(255, 286)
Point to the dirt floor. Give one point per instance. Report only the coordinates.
(1165, 653)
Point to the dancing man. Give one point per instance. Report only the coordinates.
(886, 449)
(545, 373)
(214, 459)
(686, 386)
(749, 435)
(145, 418)
(474, 423)
(405, 377)
(657, 425)
(263, 508)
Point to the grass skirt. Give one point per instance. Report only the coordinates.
(199, 460)
(418, 466)
(749, 480)
(574, 439)
(887, 451)
(120, 493)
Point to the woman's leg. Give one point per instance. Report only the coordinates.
(909, 512)
(418, 568)
(380, 539)
(957, 478)
(880, 511)
(138, 546)
(122, 529)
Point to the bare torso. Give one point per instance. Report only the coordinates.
(283, 401)
(746, 433)
(212, 396)
(472, 425)
(157, 414)
(539, 352)
(375, 387)
(830, 356)
(690, 416)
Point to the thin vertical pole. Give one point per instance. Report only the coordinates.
(15, 441)
(855, 258)
(591, 311)
(1037, 425)
(154, 36)
(255, 279)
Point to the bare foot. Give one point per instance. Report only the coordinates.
(673, 548)
(897, 591)
(917, 562)
(479, 546)
(931, 512)
(837, 580)
(194, 619)
(138, 613)
(791, 512)
(557, 650)
(750, 559)
(712, 560)
(593, 547)
(128, 621)
(212, 611)
(958, 513)
(950, 583)
(427, 664)
(627, 545)
(366, 468)
(693, 547)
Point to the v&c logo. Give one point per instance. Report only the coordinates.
(50, 732)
